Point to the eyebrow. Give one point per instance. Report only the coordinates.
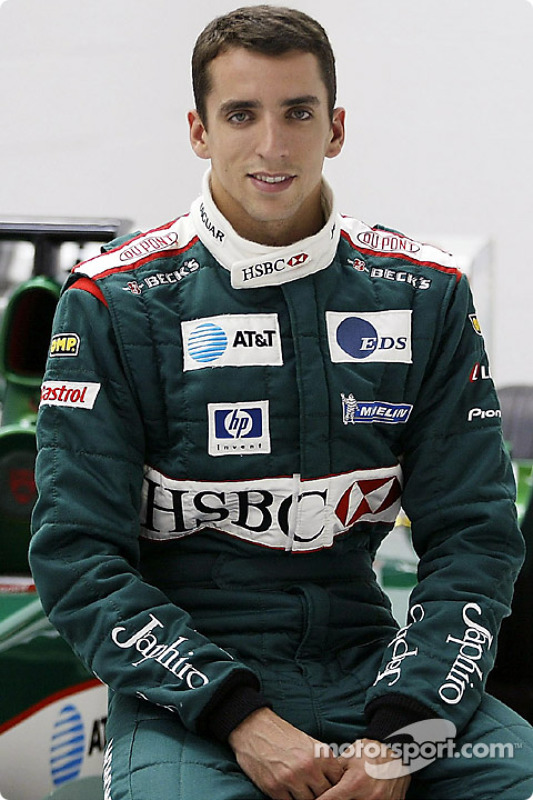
(246, 105)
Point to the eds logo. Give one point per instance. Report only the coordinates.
(238, 428)
(383, 336)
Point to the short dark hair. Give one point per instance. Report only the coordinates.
(270, 30)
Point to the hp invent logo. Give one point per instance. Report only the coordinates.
(207, 342)
(238, 424)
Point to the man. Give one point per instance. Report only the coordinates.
(260, 383)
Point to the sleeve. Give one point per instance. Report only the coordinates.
(459, 495)
(84, 552)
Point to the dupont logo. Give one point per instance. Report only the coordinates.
(387, 242)
(67, 746)
(69, 394)
(238, 428)
(147, 245)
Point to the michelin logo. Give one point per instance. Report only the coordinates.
(354, 411)
(383, 336)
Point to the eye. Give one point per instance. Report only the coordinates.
(300, 113)
(238, 117)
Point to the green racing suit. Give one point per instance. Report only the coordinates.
(226, 434)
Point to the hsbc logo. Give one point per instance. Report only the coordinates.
(265, 268)
(295, 261)
(281, 513)
(365, 497)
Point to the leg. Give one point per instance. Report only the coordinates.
(152, 756)
(493, 758)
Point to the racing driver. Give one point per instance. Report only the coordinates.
(249, 394)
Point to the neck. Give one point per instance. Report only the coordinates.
(276, 232)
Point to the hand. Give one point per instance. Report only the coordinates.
(282, 761)
(357, 784)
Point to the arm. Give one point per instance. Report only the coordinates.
(459, 495)
(85, 553)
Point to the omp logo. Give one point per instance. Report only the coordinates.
(67, 746)
(69, 394)
(232, 340)
(372, 336)
(238, 428)
(148, 244)
(64, 344)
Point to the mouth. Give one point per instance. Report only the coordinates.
(266, 182)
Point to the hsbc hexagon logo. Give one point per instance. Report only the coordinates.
(297, 261)
(368, 497)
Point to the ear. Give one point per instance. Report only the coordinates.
(198, 135)
(337, 133)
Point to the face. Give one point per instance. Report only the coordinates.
(267, 132)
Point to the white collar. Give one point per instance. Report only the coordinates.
(251, 264)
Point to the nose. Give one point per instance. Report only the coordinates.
(272, 141)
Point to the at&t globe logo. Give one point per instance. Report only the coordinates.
(207, 342)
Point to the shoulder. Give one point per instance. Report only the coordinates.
(382, 246)
(135, 250)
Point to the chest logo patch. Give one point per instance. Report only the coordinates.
(383, 336)
(238, 428)
(232, 340)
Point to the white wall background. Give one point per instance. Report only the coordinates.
(94, 93)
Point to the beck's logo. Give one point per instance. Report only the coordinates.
(238, 428)
(383, 336)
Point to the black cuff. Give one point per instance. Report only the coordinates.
(235, 705)
(386, 715)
